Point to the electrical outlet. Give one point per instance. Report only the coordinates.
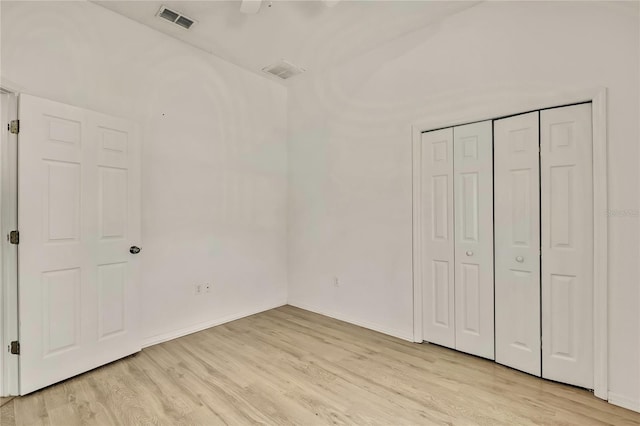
(207, 288)
(198, 289)
(336, 282)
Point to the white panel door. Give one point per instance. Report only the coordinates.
(517, 242)
(473, 183)
(437, 237)
(78, 213)
(567, 245)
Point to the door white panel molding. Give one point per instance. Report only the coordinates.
(473, 207)
(79, 212)
(437, 237)
(480, 110)
(517, 242)
(567, 239)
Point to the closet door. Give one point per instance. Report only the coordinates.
(567, 245)
(517, 242)
(437, 237)
(473, 183)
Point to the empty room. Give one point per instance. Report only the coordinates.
(319, 212)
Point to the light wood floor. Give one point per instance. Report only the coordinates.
(289, 366)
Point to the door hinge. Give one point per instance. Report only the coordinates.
(14, 348)
(14, 237)
(14, 127)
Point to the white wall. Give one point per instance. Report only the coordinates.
(214, 154)
(350, 189)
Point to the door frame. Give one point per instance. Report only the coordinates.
(515, 104)
(9, 382)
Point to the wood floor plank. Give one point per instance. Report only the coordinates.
(274, 369)
(7, 414)
(31, 410)
(5, 400)
(288, 366)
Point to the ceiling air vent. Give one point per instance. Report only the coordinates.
(283, 69)
(175, 17)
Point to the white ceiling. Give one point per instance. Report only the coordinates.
(306, 33)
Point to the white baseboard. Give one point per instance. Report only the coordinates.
(366, 324)
(624, 401)
(164, 337)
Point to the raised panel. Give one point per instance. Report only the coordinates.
(521, 288)
(440, 206)
(521, 207)
(61, 202)
(441, 289)
(519, 140)
(470, 147)
(61, 130)
(113, 147)
(112, 284)
(469, 207)
(113, 203)
(440, 152)
(562, 314)
(114, 140)
(561, 136)
(61, 315)
(471, 297)
(561, 206)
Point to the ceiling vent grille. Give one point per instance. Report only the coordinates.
(283, 69)
(175, 17)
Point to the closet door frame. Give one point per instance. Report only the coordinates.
(480, 109)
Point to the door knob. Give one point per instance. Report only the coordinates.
(134, 249)
(469, 253)
(520, 259)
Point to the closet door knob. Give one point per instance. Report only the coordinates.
(469, 253)
(520, 259)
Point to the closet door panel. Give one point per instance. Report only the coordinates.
(517, 242)
(437, 237)
(567, 244)
(473, 183)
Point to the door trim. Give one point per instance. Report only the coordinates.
(9, 382)
(490, 110)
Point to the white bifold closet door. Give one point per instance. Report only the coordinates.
(544, 243)
(567, 244)
(517, 242)
(79, 213)
(437, 237)
(473, 206)
(457, 238)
